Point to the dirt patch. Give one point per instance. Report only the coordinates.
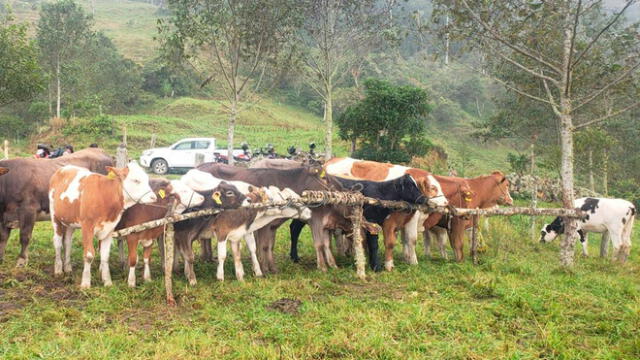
(286, 306)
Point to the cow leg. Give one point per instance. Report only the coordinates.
(237, 259)
(319, 233)
(5, 231)
(584, 237)
(389, 231)
(426, 239)
(442, 243)
(619, 249)
(326, 248)
(266, 238)
(58, 237)
(89, 253)
(133, 261)
(68, 240)
(604, 244)
(410, 238)
(271, 260)
(188, 257)
(372, 246)
(27, 220)
(105, 249)
(206, 254)
(147, 261)
(251, 245)
(222, 255)
(295, 228)
(123, 263)
(456, 237)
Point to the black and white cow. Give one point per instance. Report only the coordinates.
(606, 216)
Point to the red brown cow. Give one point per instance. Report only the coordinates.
(24, 192)
(93, 202)
(486, 192)
(140, 213)
(375, 171)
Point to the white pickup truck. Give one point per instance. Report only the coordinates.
(182, 154)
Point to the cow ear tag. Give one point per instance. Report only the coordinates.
(111, 175)
(162, 193)
(322, 174)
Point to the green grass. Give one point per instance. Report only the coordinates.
(517, 304)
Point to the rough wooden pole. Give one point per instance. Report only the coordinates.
(6, 149)
(121, 156)
(474, 239)
(361, 261)
(154, 137)
(168, 257)
(605, 173)
(534, 190)
(124, 135)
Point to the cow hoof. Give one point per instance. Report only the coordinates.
(295, 259)
(22, 262)
(388, 265)
(108, 283)
(259, 274)
(85, 286)
(147, 279)
(193, 282)
(67, 269)
(220, 278)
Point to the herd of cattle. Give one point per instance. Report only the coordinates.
(85, 191)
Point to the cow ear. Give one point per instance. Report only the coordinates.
(3, 170)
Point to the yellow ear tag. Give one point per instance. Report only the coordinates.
(111, 175)
(322, 174)
(162, 193)
(216, 197)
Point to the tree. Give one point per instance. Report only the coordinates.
(562, 54)
(335, 38)
(62, 32)
(20, 74)
(389, 121)
(232, 41)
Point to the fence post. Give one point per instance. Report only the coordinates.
(6, 149)
(357, 241)
(474, 239)
(124, 135)
(154, 136)
(168, 257)
(121, 156)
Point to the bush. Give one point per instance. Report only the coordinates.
(14, 126)
(101, 125)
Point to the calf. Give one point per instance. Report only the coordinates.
(140, 213)
(24, 192)
(612, 216)
(403, 188)
(323, 219)
(233, 225)
(82, 199)
(485, 192)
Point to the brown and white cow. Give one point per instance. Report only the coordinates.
(166, 192)
(375, 171)
(233, 225)
(24, 192)
(95, 203)
(486, 192)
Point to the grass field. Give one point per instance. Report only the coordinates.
(517, 304)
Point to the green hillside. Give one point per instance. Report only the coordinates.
(132, 27)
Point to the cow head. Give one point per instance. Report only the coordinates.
(187, 198)
(551, 231)
(135, 184)
(227, 196)
(431, 189)
(3, 171)
(501, 190)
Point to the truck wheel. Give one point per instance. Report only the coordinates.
(159, 166)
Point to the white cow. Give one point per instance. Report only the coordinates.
(606, 216)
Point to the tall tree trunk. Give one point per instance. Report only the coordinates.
(50, 99)
(534, 190)
(231, 129)
(566, 143)
(58, 88)
(446, 41)
(353, 146)
(605, 173)
(328, 119)
(592, 184)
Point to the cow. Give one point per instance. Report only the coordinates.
(408, 222)
(24, 192)
(485, 191)
(166, 192)
(404, 188)
(612, 216)
(233, 225)
(323, 218)
(79, 198)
